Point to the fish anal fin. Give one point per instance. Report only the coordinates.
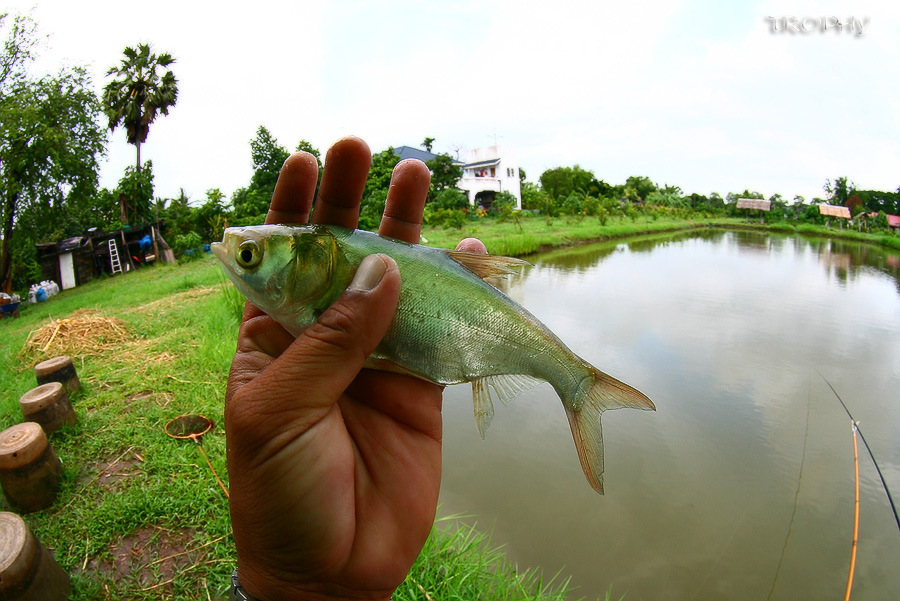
(505, 386)
(486, 266)
(484, 406)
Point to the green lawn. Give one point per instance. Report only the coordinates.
(140, 515)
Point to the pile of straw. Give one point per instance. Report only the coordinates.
(84, 333)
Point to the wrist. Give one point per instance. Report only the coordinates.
(286, 592)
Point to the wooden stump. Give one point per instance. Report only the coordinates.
(27, 570)
(58, 369)
(30, 471)
(49, 406)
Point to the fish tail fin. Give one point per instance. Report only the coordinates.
(596, 393)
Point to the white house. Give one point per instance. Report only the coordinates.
(486, 171)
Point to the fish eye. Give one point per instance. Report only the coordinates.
(249, 254)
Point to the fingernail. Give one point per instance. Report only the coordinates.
(369, 273)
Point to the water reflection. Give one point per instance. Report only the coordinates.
(723, 330)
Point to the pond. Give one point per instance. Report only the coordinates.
(741, 485)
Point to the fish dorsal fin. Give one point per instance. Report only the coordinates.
(486, 266)
(506, 387)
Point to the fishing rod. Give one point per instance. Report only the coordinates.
(865, 444)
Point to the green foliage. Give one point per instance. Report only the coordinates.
(572, 205)
(450, 198)
(561, 182)
(877, 200)
(504, 204)
(268, 156)
(143, 88)
(190, 240)
(839, 191)
(210, 217)
(641, 185)
(371, 208)
(380, 171)
(461, 563)
(135, 195)
(444, 174)
(50, 143)
(448, 218)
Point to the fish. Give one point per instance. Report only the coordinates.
(451, 326)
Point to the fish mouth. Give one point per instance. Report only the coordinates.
(219, 250)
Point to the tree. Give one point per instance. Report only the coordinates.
(444, 174)
(839, 191)
(642, 185)
(49, 146)
(268, 156)
(427, 143)
(138, 94)
(561, 182)
(135, 195)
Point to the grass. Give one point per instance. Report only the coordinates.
(140, 516)
(536, 234)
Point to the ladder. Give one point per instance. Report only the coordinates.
(114, 263)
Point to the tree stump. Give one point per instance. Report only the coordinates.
(58, 369)
(27, 569)
(30, 471)
(49, 406)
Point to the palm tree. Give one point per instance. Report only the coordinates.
(136, 95)
(139, 93)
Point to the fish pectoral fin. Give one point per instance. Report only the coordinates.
(486, 266)
(506, 386)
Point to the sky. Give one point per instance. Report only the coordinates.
(707, 95)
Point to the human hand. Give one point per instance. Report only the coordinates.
(334, 469)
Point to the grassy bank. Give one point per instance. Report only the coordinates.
(530, 235)
(140, 515)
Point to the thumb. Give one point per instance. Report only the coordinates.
(322, 362)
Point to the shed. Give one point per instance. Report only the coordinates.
(834, 211)
(75, 261)
(754, 203)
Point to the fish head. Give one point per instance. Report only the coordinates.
(290, 272)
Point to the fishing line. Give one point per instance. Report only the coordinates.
(866, 444)
(796, 495)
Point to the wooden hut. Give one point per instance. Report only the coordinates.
(74, 261)
(754, 204)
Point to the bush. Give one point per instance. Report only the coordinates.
(189, 241)
(450, 198)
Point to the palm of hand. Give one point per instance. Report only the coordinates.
(335, 472)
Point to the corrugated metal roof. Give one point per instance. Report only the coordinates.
(408, 152)
(487, 163)
(754, 203)
(834, 211)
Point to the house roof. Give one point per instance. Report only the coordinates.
(408, 152)
(754, 203)
(487, 163)
(893, 220)
(834, 211)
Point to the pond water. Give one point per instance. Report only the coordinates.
(741, 485)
